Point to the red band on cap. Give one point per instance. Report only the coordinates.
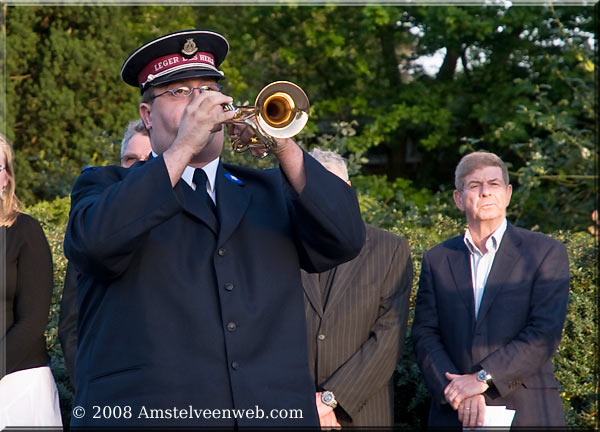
(163, 65)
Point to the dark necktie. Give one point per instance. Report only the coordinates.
(200, 180)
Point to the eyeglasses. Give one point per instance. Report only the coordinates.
(184, 91)
(128, 160)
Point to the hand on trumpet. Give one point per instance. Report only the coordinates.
(202, 118)
(246, 136)
(287, 152)
(186, 130)
(280, 111)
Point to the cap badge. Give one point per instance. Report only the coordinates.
(189, 48)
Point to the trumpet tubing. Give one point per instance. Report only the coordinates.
(280, 111)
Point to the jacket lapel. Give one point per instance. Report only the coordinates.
(196, 206)
(310, 283)
(345, 275)
(460, 267)
(232, 201)
(504, 261)
(191, 203)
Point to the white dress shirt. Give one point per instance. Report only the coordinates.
(211, 173)
(481, 263)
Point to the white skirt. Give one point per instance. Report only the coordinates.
(29, 398)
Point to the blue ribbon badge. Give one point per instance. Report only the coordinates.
(234, 179)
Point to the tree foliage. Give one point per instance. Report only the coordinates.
(576, 361)
(517, 81)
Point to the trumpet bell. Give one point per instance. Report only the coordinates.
(282, 109)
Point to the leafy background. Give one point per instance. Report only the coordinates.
(518, 81)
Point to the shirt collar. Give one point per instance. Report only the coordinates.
(211, 174)
(492, 243)
(210, 169)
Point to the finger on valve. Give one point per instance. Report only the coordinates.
(257, 149)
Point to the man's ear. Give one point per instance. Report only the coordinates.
(458, 200)
(508, 194)
(145, 110)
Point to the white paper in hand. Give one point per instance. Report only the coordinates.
(497, 417)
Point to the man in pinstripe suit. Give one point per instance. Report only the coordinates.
(356, 318)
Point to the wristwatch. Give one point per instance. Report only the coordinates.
(328, 398)
(484, 376)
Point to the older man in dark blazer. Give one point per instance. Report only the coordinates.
(356, 317)
(191, 307)
(490, 310)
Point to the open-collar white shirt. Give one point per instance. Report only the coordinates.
(481, 263)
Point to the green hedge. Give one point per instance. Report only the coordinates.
(576, 365)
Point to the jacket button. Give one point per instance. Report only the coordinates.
(231, 326)
(222, 252)
(235, 365)
(321, 337)
(228, 286)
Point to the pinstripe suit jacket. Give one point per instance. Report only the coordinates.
(355, 342)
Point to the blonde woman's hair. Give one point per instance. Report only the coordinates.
(10, 206)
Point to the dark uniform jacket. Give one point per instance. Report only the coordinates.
(67, 321)
(178, 315)
(356, 337)
(515, 335)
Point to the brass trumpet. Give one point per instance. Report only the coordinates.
(280, 111)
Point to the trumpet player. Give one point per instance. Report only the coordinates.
(191, 304)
